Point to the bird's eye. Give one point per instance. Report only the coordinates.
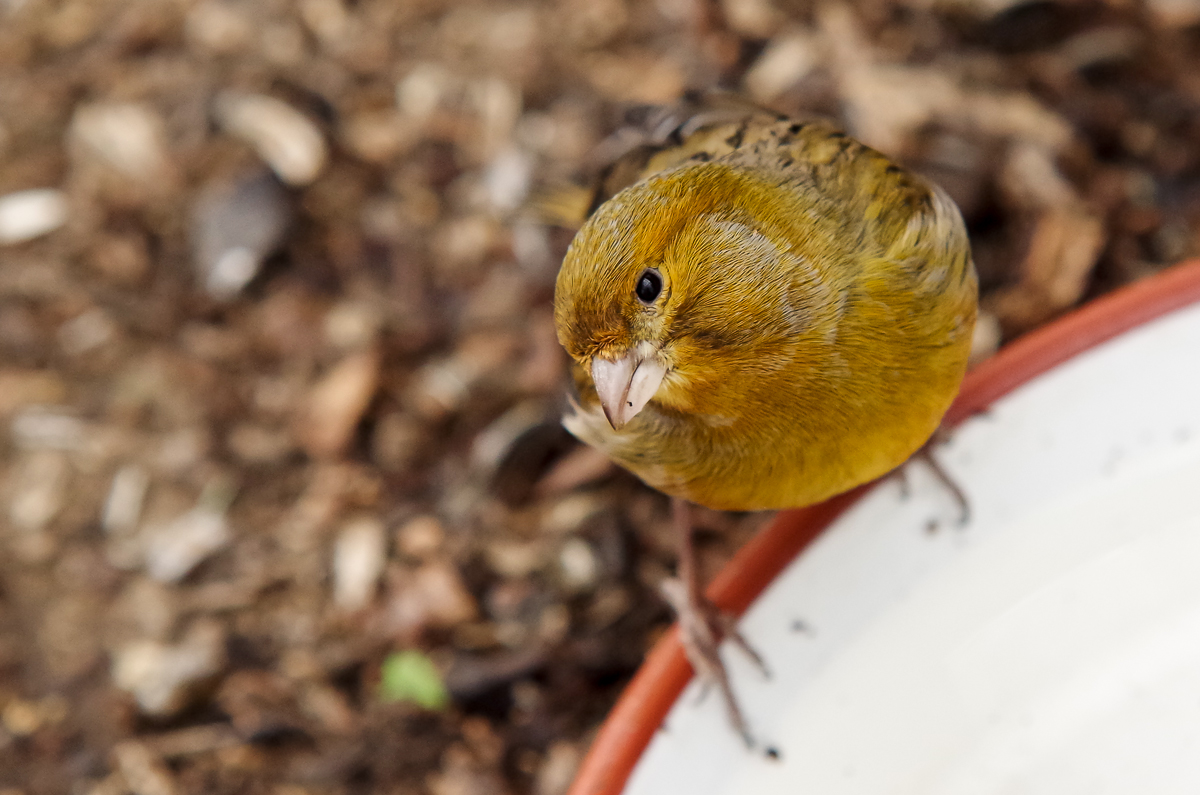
(649, 286)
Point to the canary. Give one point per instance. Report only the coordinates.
(768, 314)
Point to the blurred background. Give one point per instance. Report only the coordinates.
(284, 504)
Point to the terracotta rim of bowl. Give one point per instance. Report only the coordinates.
(665, 672)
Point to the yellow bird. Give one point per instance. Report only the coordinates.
(770, 314)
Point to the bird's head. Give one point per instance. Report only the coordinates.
(669, 289)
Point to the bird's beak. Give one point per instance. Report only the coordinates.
(626, 385)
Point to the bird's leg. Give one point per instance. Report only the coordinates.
(926, 454)
(689, 571)
(702, 625)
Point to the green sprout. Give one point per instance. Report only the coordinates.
(409, 675)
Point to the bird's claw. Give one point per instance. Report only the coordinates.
(702, 627)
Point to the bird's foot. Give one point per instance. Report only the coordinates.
(925, 453)
(702, 627)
